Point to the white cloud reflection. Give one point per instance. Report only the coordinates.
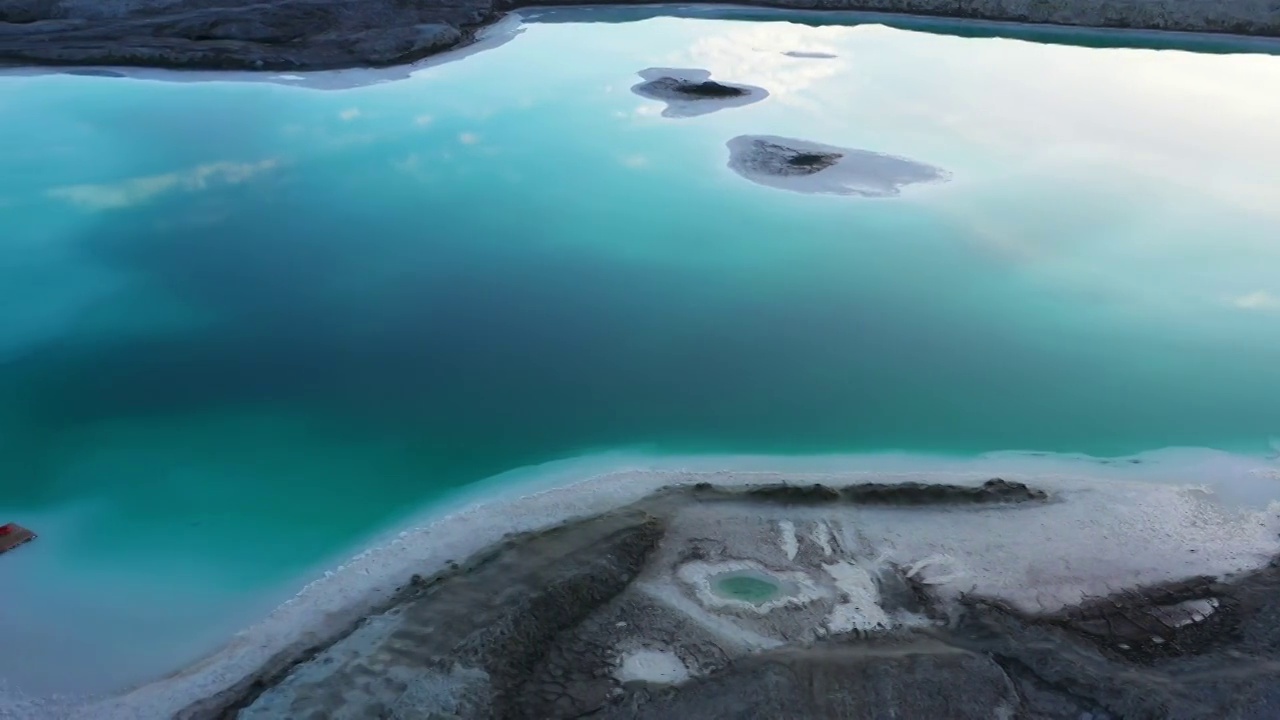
(1196, 120)
(136, 191)
(1258, 300)
(756, 54)
(1085, 168)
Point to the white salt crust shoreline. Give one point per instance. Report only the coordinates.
(549, 495)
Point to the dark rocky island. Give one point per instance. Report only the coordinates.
(319, 34)
(808, 167)
(691, 92)
(798, 601)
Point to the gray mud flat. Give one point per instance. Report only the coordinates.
(320, 34)
(628, 615)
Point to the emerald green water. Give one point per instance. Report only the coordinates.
(748, 587)
(244, 327)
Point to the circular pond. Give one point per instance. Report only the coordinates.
(749, 586)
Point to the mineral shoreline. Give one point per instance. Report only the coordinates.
(618, 615)
(811, 599)
(294, 35)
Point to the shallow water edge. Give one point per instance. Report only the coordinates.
(883, 590)
(1159, 485)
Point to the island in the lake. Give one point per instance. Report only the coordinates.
(723, 595)
(322, 34)
(690, 92)
(809, 167)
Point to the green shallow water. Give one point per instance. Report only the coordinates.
(753, 587)
(244, 326)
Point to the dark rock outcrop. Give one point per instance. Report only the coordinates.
(461, 643)
(320, 34)
(706, 89)
(809, 167)
(232, 34)
(995, 490)
(692, 92)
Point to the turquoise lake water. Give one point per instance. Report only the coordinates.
(244, 327)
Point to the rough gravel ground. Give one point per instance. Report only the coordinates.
(318, 34)
(602, 617)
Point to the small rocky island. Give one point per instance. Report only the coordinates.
(691, 92)
(809, 167)
(809, 55)
(818, 601)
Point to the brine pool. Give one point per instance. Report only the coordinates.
(249, 327)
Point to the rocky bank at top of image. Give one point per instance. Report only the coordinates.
(820, 601)
(319, 34)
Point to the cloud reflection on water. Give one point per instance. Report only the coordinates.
(136, 191)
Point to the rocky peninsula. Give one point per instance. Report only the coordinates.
(325, 34)
(720, 595)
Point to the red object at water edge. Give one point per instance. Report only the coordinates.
(12, 535)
